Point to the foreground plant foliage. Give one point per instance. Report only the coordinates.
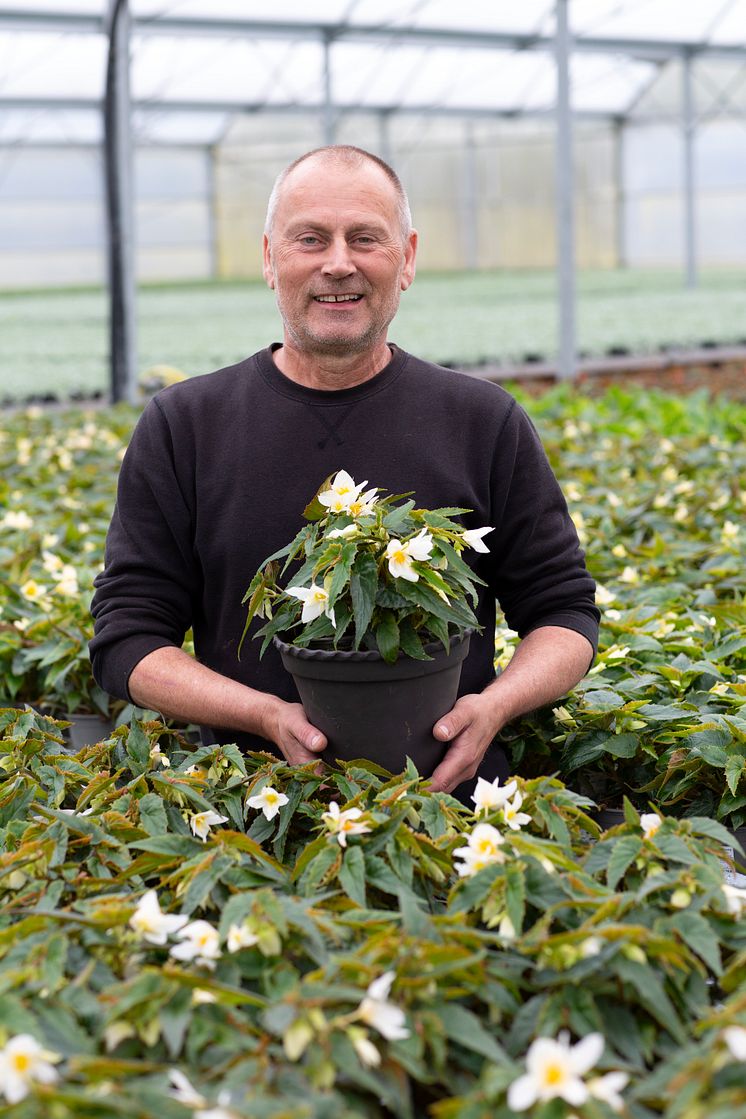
(330, 950)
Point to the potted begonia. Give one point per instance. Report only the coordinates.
(375, 622)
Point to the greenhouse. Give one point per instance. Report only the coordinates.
(336, 816)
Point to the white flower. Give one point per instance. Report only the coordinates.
(24, 1062)
(591, 946)
(368, 1054)
(150, 923)
(513, 817)
(735, 1038)
(183, 1091)
(116, 1033)
(735, 898)
(344, 823)
(489, 794)
(156, 755)
(483, 849)
(363, 504)
(51, 562)
(401, 553)
(219, 1112)
(506, 928)
(603, 595)
(342, 533)
(200, 996)
(473, 538)
(650, 822)
(22, 522)
(241, 936)
(269, 801)
(199, 942)
(629, 575)
(554, 1070)
(376, 1011)
(342, 492)
(730, 530)
(202, 822)
(315, 602)
(68, 582)
(608, 1088)
(32, 590)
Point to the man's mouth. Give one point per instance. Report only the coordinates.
(337, 298)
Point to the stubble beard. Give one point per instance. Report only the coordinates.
(330, 344)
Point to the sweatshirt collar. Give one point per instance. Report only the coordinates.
(285, 387)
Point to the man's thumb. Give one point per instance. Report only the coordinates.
(450, 725)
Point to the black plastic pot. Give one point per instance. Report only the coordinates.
(370, 709)
(87, 730)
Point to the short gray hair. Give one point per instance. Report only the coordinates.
(349, 154)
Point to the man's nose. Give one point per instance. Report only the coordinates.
(338, 260)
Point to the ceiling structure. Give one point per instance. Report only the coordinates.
(185, 68)
(195, 63)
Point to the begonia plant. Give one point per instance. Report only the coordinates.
(375, 573)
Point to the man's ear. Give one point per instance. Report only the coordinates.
(410, 255)
(267, 269)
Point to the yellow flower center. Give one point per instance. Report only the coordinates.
(553, 1075)
(400, 556)
(21, 1062)
(270, 798)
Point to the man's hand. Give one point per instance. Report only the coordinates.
(469, 726)
(287, 726)
(547, 663)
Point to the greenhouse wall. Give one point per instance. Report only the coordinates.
(652, 197)
(482, 196)
(52, 220)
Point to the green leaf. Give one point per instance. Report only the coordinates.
(410, 642)
(698, 934)
(341, 570)
(152, 814)
(182, 846)
(363, 586)
(138, 749)
(465, 1028)
(734, 767)
(626, 849)
(387, 636)
(352, 875)
(515, 894)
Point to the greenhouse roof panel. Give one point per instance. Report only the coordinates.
(384, 54)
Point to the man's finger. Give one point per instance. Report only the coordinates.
(452, 770)
(447, 727)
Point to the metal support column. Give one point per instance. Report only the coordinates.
(120, 207)
(384, 137)
(620, 194)
(330, 119)
(564, 199)
(470, 206)
(689, 130)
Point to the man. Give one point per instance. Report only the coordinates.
(221, 466)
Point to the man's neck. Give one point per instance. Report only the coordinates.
(331, 371)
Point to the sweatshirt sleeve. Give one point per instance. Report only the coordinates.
(539, 572)
(144, 597)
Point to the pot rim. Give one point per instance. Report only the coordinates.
(371, 656)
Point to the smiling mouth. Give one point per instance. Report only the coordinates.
(337, 298)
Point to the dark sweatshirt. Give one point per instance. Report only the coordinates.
(221, 466)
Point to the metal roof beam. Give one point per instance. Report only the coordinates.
(649, 49)
(219, 107)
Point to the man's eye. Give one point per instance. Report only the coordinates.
(364, 239)
(309, 239)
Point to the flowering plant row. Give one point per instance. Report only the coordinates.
(196, 932)
(375, 573)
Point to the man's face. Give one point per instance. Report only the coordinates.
(337, 257)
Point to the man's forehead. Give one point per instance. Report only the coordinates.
(327, 182)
